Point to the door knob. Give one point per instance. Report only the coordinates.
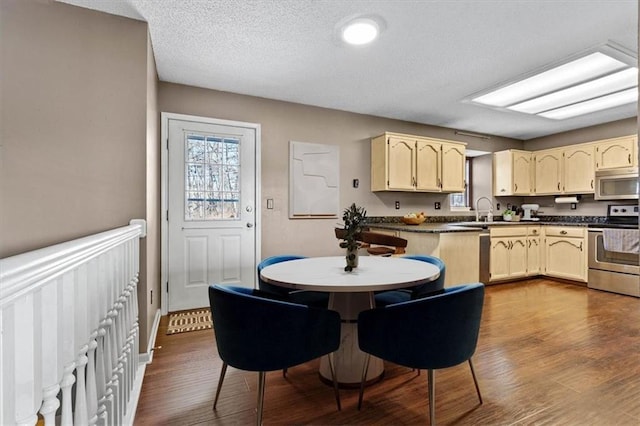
(249, 225)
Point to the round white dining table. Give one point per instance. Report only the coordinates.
(350, 293)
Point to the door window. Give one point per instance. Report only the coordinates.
(212, 178)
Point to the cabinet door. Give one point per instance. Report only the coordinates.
(548, 171)
(523, 172)
(533, 256)
(499, 260)
(428, 166)
(579, 169)
(616, 153)
(401, 163)
(518, 258)
(453, 164)
(566, 258)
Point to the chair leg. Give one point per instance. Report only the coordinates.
(261, 383)
(431, 380)
(220, 380)
(364, 377)
(475, 380)
(335, 380)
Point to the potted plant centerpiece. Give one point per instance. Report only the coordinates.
(353, 218)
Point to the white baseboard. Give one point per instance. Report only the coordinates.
(147, 357)
(132, 407)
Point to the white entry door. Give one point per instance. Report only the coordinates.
(211, 210)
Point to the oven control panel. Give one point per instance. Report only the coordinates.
(623, 210)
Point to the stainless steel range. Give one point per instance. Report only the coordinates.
(615, 269)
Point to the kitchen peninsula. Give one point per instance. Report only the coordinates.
(517, 249)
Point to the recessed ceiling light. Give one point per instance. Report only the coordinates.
(360, 31)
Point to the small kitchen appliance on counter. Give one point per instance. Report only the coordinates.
(528, 210)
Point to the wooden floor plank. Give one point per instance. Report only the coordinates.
(549, 353)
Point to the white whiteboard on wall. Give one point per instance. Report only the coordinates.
(314, 176)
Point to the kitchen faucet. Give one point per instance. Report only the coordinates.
(489, 212)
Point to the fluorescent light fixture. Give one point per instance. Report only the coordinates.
(602, 78)
(613, 100)
(580, 70)
(592, 89)
(360, 31)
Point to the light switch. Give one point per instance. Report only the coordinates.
(270, 203)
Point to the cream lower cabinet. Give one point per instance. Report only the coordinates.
(508, 259)
(534, 251)
(458, 250)
(565, 250)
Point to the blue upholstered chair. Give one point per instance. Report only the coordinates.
(258, 334)
(385, 298)
(310, 298)
(434, 332)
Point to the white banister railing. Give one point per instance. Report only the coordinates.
(69, 316)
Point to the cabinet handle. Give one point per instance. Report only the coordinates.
(413, 181)
(503, 190)
(629, 158)
(580, 245)
(563, 232)
(558, 186)
(439, 183)
(529, 243)
(591, 183)
(516, 186)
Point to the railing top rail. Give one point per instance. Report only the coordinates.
(24, 272)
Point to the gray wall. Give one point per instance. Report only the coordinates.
(282, 122)
(75, 128)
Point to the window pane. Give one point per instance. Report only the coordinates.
(212, 178)
(461, 199)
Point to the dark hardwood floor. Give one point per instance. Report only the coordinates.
(549, 353)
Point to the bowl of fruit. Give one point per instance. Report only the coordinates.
(414, 218)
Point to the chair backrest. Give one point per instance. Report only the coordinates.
(398, 244)
(393, 244)
(258, 334)
(270, 288)
(435, 332)
(433, 287)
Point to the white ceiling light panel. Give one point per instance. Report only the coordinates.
(591, 83)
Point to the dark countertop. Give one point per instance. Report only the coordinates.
(437, 228)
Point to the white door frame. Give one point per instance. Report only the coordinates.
(164, 185)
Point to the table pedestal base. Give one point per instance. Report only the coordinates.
(349, 359)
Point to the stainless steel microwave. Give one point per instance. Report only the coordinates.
(619, 184)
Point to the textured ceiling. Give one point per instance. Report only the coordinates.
(429, 58)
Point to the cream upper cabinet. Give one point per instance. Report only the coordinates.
(616, 153)
(566, 252)
(513, 173)
(453, 165)
(429, 164)
(579, 169)
(417, 164)
(548, 171)
(401, 163)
